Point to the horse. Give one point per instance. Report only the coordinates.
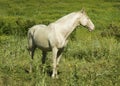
(54, 37)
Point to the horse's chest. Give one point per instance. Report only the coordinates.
(57, 41)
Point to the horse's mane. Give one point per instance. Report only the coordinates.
(65, 17)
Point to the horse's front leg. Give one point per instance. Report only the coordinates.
(54, 51)
(59, 54)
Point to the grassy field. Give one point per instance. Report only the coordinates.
(90, 58)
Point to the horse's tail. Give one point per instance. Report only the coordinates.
(30, 38)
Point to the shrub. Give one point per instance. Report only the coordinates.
(15, 26)
(24, 25)
(111, 30)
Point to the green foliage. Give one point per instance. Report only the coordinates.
(93, 61)
(41, 11)
(112, 30)
(15, 26)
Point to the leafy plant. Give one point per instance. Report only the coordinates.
(112, 30)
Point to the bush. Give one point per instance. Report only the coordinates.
(24, 25)
(112, 30)
(15, 26)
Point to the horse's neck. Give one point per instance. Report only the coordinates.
(68, 26)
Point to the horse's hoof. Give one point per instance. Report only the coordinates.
(55, 76)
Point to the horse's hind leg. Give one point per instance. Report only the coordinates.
(32, 55)
(44, 54)
(31, 47)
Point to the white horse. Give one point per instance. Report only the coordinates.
(54, 36)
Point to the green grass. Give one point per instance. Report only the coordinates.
(84, 62)
(101, 12)
(91, 59)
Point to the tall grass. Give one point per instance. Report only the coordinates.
(84, 62)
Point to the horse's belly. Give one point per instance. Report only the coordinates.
(43, 46)
(42, 43)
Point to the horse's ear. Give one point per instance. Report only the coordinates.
(82, 10)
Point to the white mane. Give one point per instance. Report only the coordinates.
(65, 17)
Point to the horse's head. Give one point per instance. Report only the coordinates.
(85, 20)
